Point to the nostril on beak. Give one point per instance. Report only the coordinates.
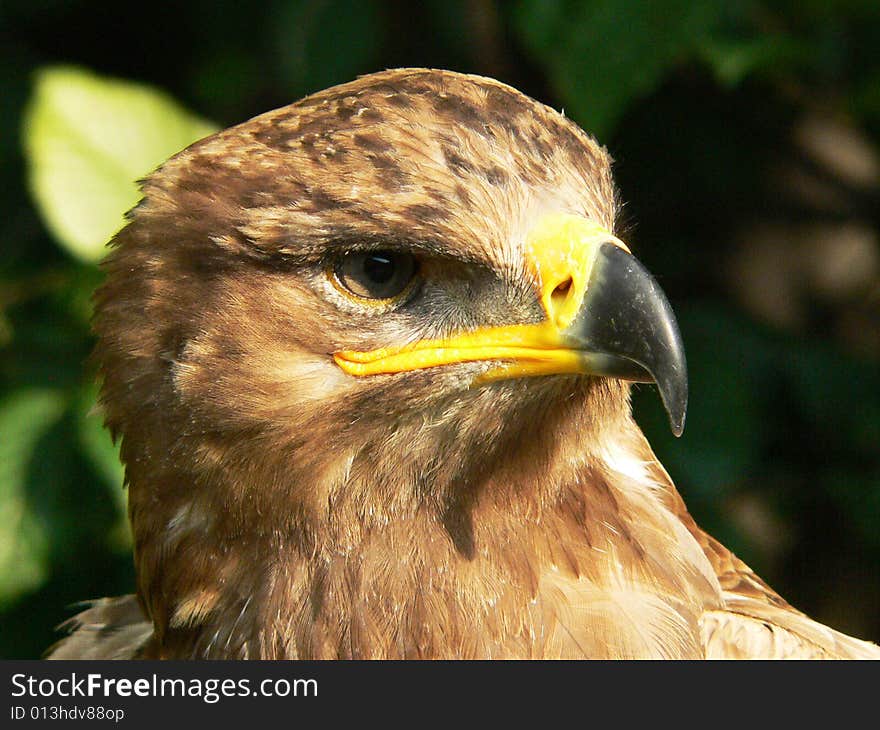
(560, 293)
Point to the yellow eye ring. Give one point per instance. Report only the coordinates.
(374, 278)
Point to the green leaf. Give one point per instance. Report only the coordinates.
(87, 140)
(602, 55)
(320, 43)
(103, 455)
(733, 60)
(24, 545)
(98, 446)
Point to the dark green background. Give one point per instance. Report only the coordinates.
(704, 106)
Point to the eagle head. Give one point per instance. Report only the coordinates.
(388, 321)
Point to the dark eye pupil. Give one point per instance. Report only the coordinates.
(376, 274)
(379, 268)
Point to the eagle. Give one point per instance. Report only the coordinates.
(369, 358)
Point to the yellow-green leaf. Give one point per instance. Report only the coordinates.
(24, 417)
(97, 444)
(87, 140)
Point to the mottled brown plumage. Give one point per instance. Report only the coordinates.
(283, 508)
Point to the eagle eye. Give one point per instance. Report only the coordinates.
(375, 275)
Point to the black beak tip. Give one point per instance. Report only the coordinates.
(674, 394)
(676, 421)
(669, 372)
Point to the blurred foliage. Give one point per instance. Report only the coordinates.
(87, 142)
(727, 119)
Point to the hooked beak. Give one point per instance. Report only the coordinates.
(605, 315)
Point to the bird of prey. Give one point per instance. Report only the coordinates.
(369, 356)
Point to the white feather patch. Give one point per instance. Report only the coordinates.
(618, 459)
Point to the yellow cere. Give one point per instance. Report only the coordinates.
(560, 251)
